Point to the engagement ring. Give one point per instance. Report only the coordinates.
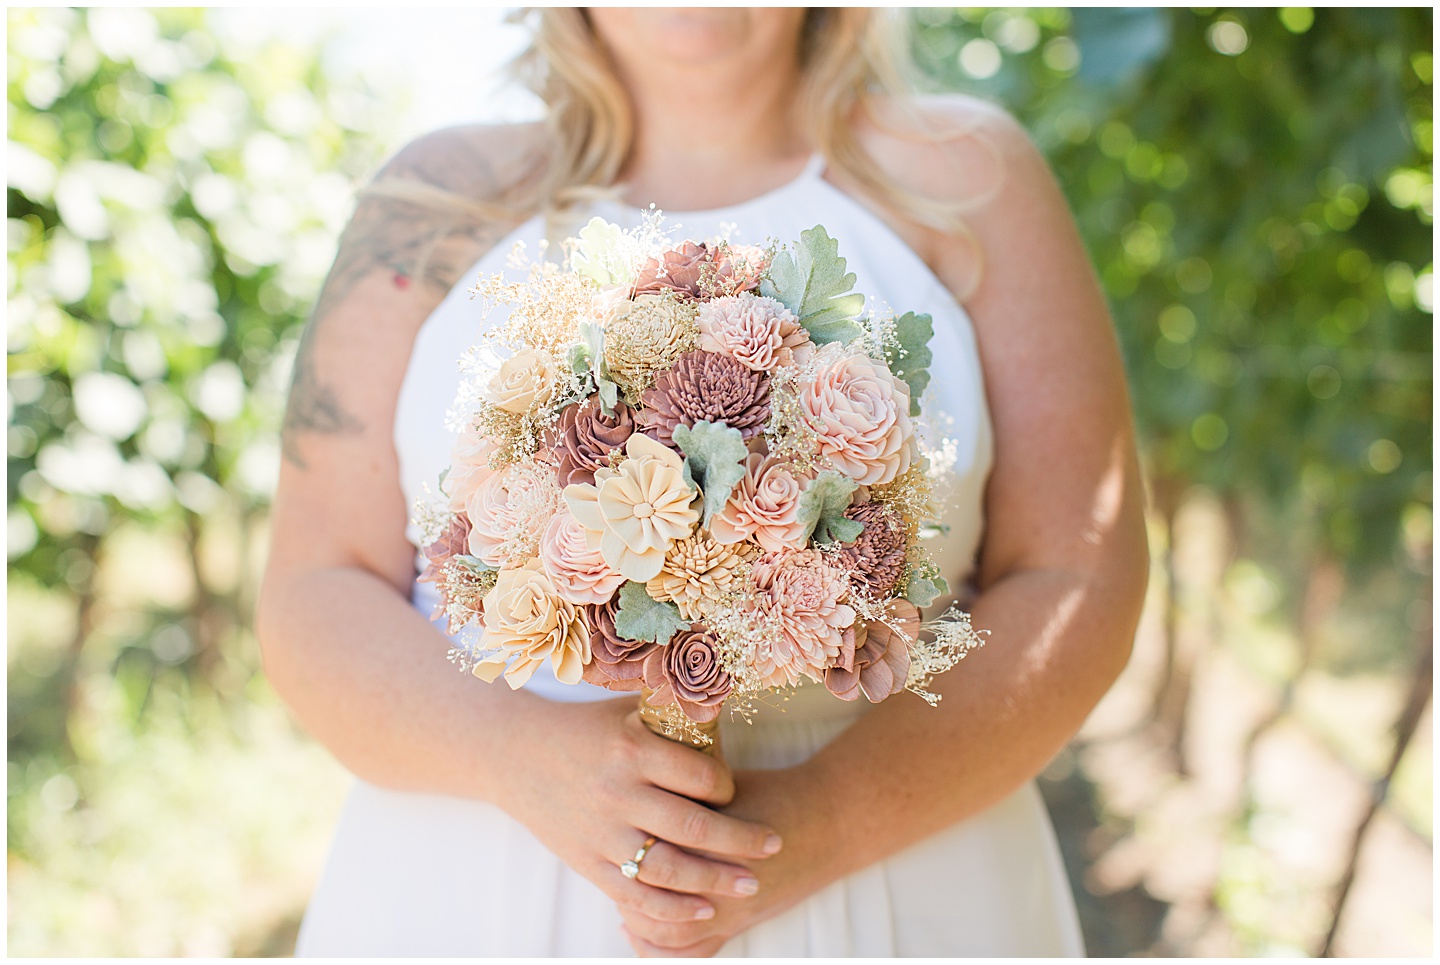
(631, 868)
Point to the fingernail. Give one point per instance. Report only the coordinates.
(705, 914)
(772, 844)
(746, 886)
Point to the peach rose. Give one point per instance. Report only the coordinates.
(525, 381)
(764, 507)
(509, 511)
(860, 414)
(635, 512)
(528, 622)
(756, 331)
(579, 573)
(802, 595)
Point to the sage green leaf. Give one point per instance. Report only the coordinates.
(923, 590)
(600, 253)
(909, 357)
(822, 508)
(812, 282)
(714, 460)
(642, 617)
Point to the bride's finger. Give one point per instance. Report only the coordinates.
(648, 949)
(650, 901)
(666, 866)
(697, 828)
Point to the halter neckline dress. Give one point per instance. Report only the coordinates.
(428, 875)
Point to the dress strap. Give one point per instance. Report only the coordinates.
(814, 167)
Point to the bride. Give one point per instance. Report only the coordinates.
(491, 822)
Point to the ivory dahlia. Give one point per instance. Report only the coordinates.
(528, 623)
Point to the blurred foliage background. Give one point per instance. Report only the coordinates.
(1255, 188)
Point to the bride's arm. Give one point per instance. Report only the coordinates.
(1062, 577)
(361, 669)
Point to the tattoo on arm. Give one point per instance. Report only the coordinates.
(408, 241)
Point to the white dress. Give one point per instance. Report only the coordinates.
(419, 874)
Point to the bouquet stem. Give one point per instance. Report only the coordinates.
(670, 722)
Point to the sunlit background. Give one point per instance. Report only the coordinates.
(1255, 188)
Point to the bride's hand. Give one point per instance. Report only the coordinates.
(592, 783)
(790, 801)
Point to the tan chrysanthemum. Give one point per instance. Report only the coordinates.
(697, 569)
(645, 336)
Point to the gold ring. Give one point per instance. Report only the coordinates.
(631, 868)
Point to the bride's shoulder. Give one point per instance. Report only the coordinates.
(476, 162)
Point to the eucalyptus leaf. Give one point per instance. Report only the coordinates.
(924, 590)
(812, 282)
(822, 508)
(642, 617)
(909, 357)
(714, 460)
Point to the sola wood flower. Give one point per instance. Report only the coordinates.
(700, 271)
(759, 333)
(633, 513)
(687, 672)
(528, 623)
(586, 436)
(802, 594)
(580, 573)
(876, 559)
(525, 381)
(615, 663)
(450, 544)
(509, 510)
(879, 663)
(644, 337)
(706, 387)
(696, 569)
(860, 415)
(469, 466)
(764, 506)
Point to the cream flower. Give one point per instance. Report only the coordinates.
(633, 513)
(759, 332)
(509, 511)
(527, 622)
(580, 574)
(696, 569)
(801, 594)
(860, 415)
(644, 337)
(525, 381)
(764, 506)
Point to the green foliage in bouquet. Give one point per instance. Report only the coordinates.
(714, 461)
(909, 355)
(641, 617)
(813, 283)
(822, 509)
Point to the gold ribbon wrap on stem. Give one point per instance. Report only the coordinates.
(670, 722)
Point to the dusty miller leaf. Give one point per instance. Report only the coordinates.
(600, 253)
(923, 590)
(812, 282)
(714, 461)
(909, 359)
(642, 617)
(822, 508)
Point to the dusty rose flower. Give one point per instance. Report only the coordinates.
(644, 337)
(763, 506)
(586, 436)
(580, 574)
(450, 544)
(860, 414)
(615, 663)
(634, 512)
(687, 672)
(704, 386)
(802, 594)
(525, 381)
(509, 511)
(879, 664)
(876, 559)
(528, 623)
(696, 569)
(759, 333)
(469, 466)
(700, 271)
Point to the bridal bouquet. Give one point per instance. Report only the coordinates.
(692, 470)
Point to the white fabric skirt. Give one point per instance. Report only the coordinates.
(426, 875)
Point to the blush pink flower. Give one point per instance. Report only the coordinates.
(860, 414)
(764, 506)
(880, 664)
(802, 595)
(756, 331)
(469, 467)
(509, 511)
(580, 573)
